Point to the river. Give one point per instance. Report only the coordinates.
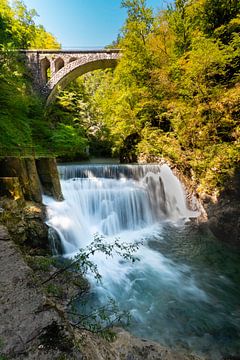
(184, 291)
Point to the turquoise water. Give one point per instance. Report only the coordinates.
(205, 320)
(184, 291)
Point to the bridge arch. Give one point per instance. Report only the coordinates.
(72, 59)
(45, 66)
(59, 64)
(52, 70)
(78, 67)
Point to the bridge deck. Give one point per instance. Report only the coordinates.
(75, 51)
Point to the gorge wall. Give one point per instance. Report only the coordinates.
(26, 178)
(223, 213)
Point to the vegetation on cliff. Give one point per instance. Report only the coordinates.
(21, 111)
(174, 94)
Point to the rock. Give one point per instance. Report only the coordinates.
(4, 235)
(223, 213)
(30, 172)
(11, 187)
(224, 221)
(28, 329)
(25, 223)
(130, 347)
(25, 170)
(34, 182)
(48, 173)
(127, 347)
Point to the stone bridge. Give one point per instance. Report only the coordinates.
(54, 69)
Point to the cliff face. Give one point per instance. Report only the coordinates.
(220, 213)
(33, 177)
(48, 175)
(23, 169)
(223, 213)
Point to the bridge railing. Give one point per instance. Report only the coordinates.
(69, 51)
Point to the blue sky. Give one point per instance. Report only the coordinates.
(83, 23)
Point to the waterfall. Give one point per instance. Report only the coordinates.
(112, 199)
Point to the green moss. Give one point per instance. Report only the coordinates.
(54, 290)
(40, 263)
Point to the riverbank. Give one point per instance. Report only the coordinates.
(33, 317)
(28, 321)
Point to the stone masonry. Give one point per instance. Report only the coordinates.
(54, 69)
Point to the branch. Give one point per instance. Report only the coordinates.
(84, 264)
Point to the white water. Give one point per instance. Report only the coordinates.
(95, 202)
(131, 203)
(184, 291)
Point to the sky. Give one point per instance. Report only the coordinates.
(83, 23)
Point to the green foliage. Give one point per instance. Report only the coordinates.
(77, 107)
(69, 140)
(174, 93)
(136, 60)
(16, 24)
(181, 25)
(54, 290)
(202, 68)
(184, 103)
(13, 105)
(43, 39)
(21, 112)
(217, 13)
(41, 263)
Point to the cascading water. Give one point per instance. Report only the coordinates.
(172, 299)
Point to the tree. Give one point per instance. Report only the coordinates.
(21, 111)
(219, 12)
(181, 24)
(135, 32)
